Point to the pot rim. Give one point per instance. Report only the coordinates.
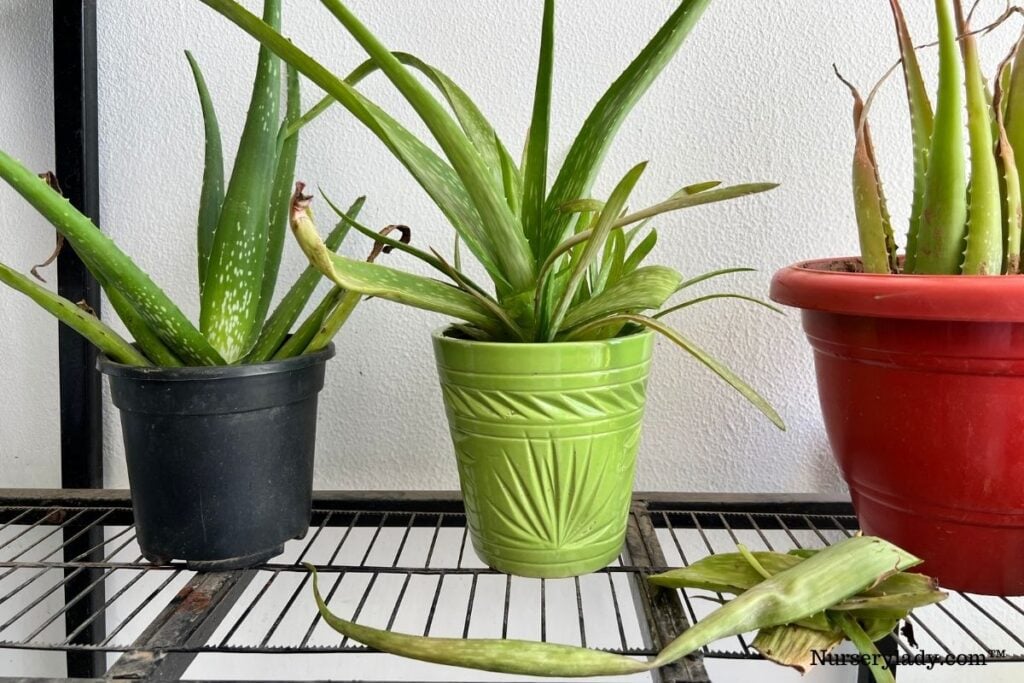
(441, 334)
(212, 372)
(811, 285)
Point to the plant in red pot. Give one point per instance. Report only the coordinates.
(920, 358)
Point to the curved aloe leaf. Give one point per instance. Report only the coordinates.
(86, 324)
(940, 240)
(685, 201)
(280, 197)
(1014, 105)
(711, 297)
(921, 124)
(505, 656)
(230, 297)
(984, 253)
(212, 196)
(511, 249)
(730, 377)
(112, 267)
(376, 280)
(294, 301)
(584, 158)
(145, 338)
(644, 289)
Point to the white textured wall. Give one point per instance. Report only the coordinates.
(29, 420)
(750, 97)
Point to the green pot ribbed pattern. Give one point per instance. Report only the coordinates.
(545, 437)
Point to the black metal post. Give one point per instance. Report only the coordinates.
(77, 169)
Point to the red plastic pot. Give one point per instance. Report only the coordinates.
(921, 381)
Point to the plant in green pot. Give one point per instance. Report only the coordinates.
(219, 417)
(919, 358)
(544, 373)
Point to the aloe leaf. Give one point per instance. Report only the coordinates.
(700, 187)
(588, 150)
(641, 251)
(713, 274)
(984, 253)
(1014, 105)
(432, 173)
(685, 201)
(212, 196)
(475, 125)
(511, 249)
(730, 378)
(830, 576)
(876, 663)
(298, 343)
(512, 183)
(711, 297)
(333, 321)
(874, 226)
(230, 299)
(921, 125)
(112, 267)
(294, 301)
(86, 324)
(594, 244)
(940, 242)
(1010, 185)
(535, 167)
(142, 334)
(644, 289)
(795, 646)
(500, 655)
(280, 196)
(376, 280)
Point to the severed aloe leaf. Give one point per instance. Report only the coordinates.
(794, 646)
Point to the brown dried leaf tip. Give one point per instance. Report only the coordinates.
(300, 201)
(380, 247)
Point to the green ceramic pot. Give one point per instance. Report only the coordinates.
(546, 437)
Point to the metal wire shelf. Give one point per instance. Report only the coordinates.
(403, 561)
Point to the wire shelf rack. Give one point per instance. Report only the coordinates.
(404, 561)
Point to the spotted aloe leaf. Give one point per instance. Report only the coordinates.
(232, 288)
(644, 289)
(112, 267)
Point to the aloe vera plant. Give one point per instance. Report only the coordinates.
(797, 602)
(563, 265)
(241, 232)
(965, 216)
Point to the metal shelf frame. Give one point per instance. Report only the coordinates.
(389, 551)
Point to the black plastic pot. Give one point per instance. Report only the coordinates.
(220, 459)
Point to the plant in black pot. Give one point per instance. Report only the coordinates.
(544, 373)
(219, 418)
